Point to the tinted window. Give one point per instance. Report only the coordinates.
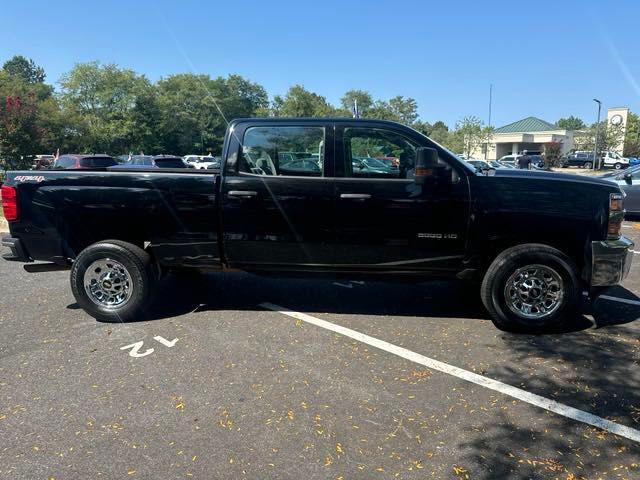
(65, 162)
(170, 162)
(283, 151)
(98, 162)
(142, 160)
(378, 153)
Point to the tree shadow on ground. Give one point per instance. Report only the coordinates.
(596, 370)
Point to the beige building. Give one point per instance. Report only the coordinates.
(532, 133)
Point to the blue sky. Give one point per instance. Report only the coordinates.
(544, 58)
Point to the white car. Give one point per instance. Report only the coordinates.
(612, 159)
(202, 162)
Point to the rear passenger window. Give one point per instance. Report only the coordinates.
(295, 151)
(378, 153)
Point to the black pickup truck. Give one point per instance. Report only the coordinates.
(291, 199)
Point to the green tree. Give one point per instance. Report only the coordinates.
(102, 103)
(300, 102)
(26, 69)
(195, 110)
(632, 137)
(609, 137)
(364, 99)
(570, 123)
(397, 109)
(470, 133)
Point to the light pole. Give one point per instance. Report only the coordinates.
(595, 147)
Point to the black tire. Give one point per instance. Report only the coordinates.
(494, 296)
(140, 278)
(588, 165)
(617, 166)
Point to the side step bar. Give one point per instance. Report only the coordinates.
(44, 267)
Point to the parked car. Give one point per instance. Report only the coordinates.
(629, 182)
(202, 162)
(497, 164)
(578, 159)
(634, 161)
(614, 160)
(210, 163)
(43, 161)
(535, 240)
(536, 160)
(481, 165)
(76, 161)
(151, 161)
(367, 166)
(514, 165)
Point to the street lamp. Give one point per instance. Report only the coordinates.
(595, 147)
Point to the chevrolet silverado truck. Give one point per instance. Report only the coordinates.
(533, 241)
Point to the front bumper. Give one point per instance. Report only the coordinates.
(610, 261)
(18, 253)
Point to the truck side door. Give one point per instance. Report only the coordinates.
(278, 195)
(384, 219)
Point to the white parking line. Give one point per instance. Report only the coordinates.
(621, 300)
(523, 395)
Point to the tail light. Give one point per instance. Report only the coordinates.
(616, 215)
(9, 203)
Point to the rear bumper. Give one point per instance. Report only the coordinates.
(610, 261)
(18, 253)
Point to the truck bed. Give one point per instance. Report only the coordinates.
(173, 213)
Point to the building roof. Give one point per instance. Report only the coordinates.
(529, 124)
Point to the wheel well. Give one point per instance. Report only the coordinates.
(574, 252)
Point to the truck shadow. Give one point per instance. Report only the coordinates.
(178, 295)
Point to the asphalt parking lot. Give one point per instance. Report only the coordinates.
(221, 384)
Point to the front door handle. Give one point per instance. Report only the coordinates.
(242, 193)
(355, 196)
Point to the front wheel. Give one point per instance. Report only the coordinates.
(588, 165)
(113, 281)
(617, 166)
(531, 288)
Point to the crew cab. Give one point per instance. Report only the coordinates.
(533, 241)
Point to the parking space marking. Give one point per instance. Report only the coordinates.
(621, 300)
(135, 347)
(518, 393)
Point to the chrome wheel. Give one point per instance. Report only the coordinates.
(534, 291)
(108, 283)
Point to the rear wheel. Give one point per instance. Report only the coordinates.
(531, 288)
(113, 281)
(588, 164)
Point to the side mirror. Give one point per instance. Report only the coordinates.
(628, 177)
(426, 163)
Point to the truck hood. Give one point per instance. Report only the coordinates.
(541, 175)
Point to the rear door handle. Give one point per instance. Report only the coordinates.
(242, 193)
(355, 196)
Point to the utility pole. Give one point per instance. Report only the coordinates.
(595, 147)
(490, 99)
(486, 145)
